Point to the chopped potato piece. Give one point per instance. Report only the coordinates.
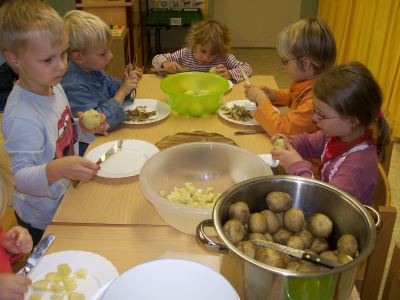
(41, 285)
(53, 276)
(56, 287)
(35, 297)
(70, 283)
(56, 297)
(64, 269)
(76, 296)
(192, 196)
(81, 274)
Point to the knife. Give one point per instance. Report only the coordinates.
(114, 148)
(37, 254)
(247, 132)
(298, 253)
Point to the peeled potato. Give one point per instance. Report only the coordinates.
(279, 143)
(213, 70)
(91, 119)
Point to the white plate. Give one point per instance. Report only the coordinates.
(100, 271)
(230, 104)
(162, 110)
(175, 279)
(126, 162)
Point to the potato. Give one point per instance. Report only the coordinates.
(247, 248)
(76, 296)
(64, 269)
(330, 255)
(240, 211)
(213, 70)
(279, 201)
(268, 237)
(320, 225)
(35, 297)
(293, 219)
(347, 244)
(258, 223)
(279, 143)
(307, 267)
(91, 119)
(41, 285)
(344, 258)
(293, 265)
(306, 236)
(282, 236)
(70, 284)
(270, 257)
(272, 220)
(234, 230)
(257, 236)
(295, 242)
(319, 245)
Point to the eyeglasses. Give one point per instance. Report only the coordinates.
(285, 61)
(321, 117)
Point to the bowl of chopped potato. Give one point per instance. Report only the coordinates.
(194, 93)
(184, 182)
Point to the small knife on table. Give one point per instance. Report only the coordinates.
(298, 253)
(37, 254)
(114, 149)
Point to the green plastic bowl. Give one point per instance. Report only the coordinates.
(194, 93)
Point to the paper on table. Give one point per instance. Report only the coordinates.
(269, 160)
(213, 262)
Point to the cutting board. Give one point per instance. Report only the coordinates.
(194, 136)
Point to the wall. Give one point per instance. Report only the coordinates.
(256, 24)
(62, 6)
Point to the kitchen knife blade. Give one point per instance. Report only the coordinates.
(37, 254)
(298, 253)
(114, 148)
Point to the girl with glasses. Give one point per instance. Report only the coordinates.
(307, 48)
(347, 102)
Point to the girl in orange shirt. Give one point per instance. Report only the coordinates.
(307, 48)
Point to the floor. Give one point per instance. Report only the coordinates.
(266, 61)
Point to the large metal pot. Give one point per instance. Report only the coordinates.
(260, 281)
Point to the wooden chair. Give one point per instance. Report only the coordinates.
(392, 290)
(370, 274)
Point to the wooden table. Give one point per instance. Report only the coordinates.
(120, 201)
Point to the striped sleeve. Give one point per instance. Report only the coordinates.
(236, 67)
(177, 56)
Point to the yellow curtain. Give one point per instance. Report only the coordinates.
(369, 31)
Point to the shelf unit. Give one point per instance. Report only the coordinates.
(123, 12)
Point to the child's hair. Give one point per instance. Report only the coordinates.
(309, 38)
(86, 31)
(352, 91)
(20, 18)
(209, 31)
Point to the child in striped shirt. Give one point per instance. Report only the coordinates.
(207, 49)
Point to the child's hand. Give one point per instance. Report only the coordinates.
(286, 157)
(71, 167)
(128, 84)
(269, 92)
(13, 286)
(255, 94)
(101, 129)
(172, 67)
(17, 240)
(222, 71)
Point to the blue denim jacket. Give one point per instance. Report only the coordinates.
(93, 90)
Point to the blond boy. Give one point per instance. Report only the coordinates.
(40, 133)
(86, 84)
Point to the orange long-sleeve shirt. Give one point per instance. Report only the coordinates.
(298, 120)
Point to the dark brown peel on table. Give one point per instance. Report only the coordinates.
(139, 114)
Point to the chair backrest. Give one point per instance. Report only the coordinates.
(392, 290)
(370, 275)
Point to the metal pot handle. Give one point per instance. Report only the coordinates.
(375, 215)
(205, 240)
